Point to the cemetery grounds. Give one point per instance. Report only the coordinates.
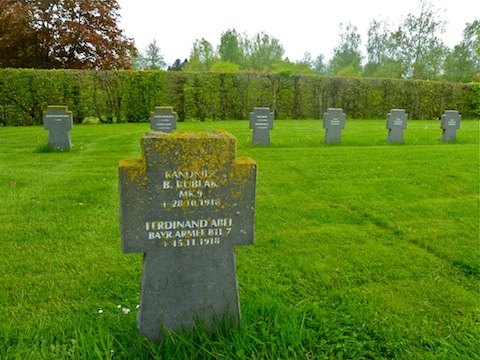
(363, 250)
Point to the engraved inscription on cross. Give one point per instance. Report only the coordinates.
(58, 121)
(185, 205)
(261, 121)
(333, 122)
(163, 119)
(396, 123)
(450, 122)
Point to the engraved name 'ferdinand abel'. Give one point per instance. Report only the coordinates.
(189, 232)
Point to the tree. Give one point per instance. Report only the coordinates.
(463, 63)
(377, 44)
(224, 66)
(16, 36)
(230, 49)
(305, 66)
(264, 51)
(261, 52)
(75, 34)
(319, 65)
(202, 56)
(478, 45)
(289, 68)
(177, 65)
(307, 60)
(382, 45)
(420, 46)
(152, 59)
(347, 55)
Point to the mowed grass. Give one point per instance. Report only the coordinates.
(364, 250)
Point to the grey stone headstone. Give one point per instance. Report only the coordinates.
(261, 122)
(163, 119)
(450, 122)
(58, 121)
(185, 205)
(334, 123)
(396, 123)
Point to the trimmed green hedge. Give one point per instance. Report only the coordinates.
(130, 96)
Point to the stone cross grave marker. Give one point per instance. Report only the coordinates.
(58, 121)
(333, 122)
(450, 122)
(163, 119)
(396, 123)
(185, 205)
(261, 121)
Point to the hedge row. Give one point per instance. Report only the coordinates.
(130, 96)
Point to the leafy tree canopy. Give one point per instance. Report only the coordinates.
(412, 50)
(177, 65)
(151, 59)
(72, 34)
(347, 57)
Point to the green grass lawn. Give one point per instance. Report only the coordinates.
(364, 250)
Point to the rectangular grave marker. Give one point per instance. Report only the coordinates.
(450, 122)
(261, 121)
(396, 123)
(58, 121)
(163, 119)
(185, 205)
(334, 123)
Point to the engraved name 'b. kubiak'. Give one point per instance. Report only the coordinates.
(185, 205)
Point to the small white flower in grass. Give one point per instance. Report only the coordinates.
(126, 310)
(100, 311)
(119, 306)
(138, 306)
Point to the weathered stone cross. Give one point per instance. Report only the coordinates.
(261, 122)
(449, 123)
(334, 123)
(163, 119)
(185, 205)
(396, 123)
(57, 120)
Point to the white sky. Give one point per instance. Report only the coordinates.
(300, 25)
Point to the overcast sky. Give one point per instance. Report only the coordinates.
(300, 25)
